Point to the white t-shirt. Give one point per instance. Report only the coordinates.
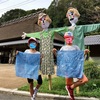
(28, 51)
(69, 48)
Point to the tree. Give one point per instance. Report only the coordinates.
(89, 10)
(16, 13)
(12, 14)
(34, 11)
(57, 13)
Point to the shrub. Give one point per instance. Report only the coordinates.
(92, 88)
(92, 70)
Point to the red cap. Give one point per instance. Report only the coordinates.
(32, 39)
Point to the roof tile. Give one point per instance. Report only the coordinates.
(92, 40)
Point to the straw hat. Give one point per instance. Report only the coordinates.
(41, 15)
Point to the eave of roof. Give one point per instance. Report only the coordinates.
(23, 42)
(92, 40)
(21, 19)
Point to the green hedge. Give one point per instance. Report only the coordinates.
(92, 70)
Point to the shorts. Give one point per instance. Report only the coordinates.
(39, 80)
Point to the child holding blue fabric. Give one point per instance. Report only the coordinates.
(70, 85)
(32, 43)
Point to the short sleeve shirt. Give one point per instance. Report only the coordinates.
(28, 51)
(70, 48)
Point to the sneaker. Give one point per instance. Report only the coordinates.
(35, 93)
(32, 98)
(70, 92)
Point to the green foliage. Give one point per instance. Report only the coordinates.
(12, 14)
(90, 89)
(91, 85)
(59, 11)
(33, 11)
(24, 88)
(89, 10)
(16, 13)
(58, 86)
(92, 70)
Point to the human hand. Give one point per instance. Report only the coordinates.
(54, 51)
(24, 35)
(72, 28)
(42, 55)
(86, 51)
(17, 52)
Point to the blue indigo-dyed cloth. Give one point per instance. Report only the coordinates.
(27, 65)
(70, 63)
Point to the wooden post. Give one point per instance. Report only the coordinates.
(50, 83)
(77, 90)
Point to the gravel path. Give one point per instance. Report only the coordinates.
(8, 78)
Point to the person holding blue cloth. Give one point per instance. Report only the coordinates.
(70, 85)
(32, 43)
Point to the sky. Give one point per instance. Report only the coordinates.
(7, 5)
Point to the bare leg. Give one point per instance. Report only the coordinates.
(31, 89)
(38, 85)
(69, 81)
(81, 81)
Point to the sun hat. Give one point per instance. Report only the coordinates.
(68, 34)
(41, 15)
(32, 39)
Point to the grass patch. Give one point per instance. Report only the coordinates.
(58, 86)
(91, 89)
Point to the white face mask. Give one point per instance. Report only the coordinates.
(44, 24)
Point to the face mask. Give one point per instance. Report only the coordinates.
(69, 40)
(32, 45)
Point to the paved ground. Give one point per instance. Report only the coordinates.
(8, 78)
(7, 96)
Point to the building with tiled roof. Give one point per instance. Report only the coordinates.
(92, 40)
(93, 43)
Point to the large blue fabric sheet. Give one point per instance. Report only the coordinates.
(70, 63)
(27, 65)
